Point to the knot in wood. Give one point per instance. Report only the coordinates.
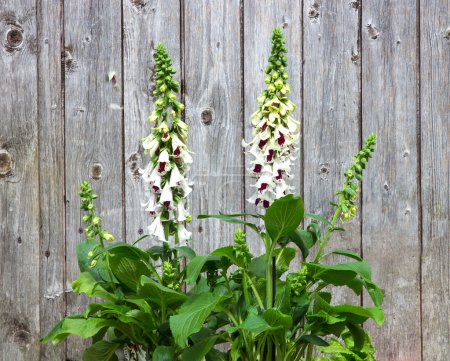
(14, 38)
(96, 171)
(372, 31)
(313, 11)
(5, 163)
(447, 33)
(207, 116)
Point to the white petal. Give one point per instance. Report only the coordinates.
(166, 194)
(183, 234)
(175, 177)
(156, 229)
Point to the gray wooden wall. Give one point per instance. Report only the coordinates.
(355, 67)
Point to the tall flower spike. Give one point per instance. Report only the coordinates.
(275, 131)
(164, 177)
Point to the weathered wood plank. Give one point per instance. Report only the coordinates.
(93, 134)
(390, 202)
(51, 171)
(19, 183)
(144, 26)
(435, 125)
(331, 96)
(260, 18)
(213, 112)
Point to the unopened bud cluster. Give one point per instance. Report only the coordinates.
(349, 194)
(241, 249)
(170, 276)
(299, 281)
(164, 177)
(275, 131)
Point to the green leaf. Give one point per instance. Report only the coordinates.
(283, 257)
(347, 253)
(192, 315)
(255, 324)
(86, 283)
(313, 340)
(227, 252)
(363, 313)
(303, 239)
(318, 218)
(158, 294)
(127, 270)
(163, 353)
(275, 318)
(241, 215)
(100, 271)
(76, 325)
(101, 351)
(185, 251)
(283, 216)
(199, 350)
(194, 268)
(358, 334)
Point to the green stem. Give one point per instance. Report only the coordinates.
(255, 291)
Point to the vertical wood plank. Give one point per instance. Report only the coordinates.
(19, 183)
(435, 180)
(51, 171)
(93, 136)
(260, 18)
(331, 134)
(144, 26)
(390, 203)
(213, 112)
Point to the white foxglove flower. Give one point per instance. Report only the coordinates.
(183, 234)
(164, 177)
(157, 229)
(275, 132)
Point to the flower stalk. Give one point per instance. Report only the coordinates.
(164, 177)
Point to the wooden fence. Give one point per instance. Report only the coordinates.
(355, 67)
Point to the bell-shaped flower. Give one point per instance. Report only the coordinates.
(163, 163)
(166, 196)
(157, 229)
(182, 214)
(183, 234)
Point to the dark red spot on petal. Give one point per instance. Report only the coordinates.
(270, 155)
(262, 143)
(281, 139)
(263, 187)
(177, 152)
(258, 168)
(266, 204)
(162, 167)
(264, 127)
(279, 176)
(156, 189)
(257, 201)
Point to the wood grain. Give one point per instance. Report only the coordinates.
(435, 126)
(213, 112)
(19, 183)
(331, 130)
(93, 134)
(390, 201)
(51, 172)
(260, 18)
(144, 27)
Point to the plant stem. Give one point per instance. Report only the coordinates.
(255, 292)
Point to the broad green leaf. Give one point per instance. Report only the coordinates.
(163, 353)
(283, 257)
(128, 270)
(370, 312)
(358, 334)
(158, 294)
(198, 351)
(318, 218)
(242, 215)
(194, 268)
(283, 216)
(227, 252)
(127, 250)
(255, 324)
(347, 253)
(303, 239)
(101, 351)
(192, 315)
(216, 355)
(185, 251)
(313, 339)
(86, 283)
(76, 325)
(275, 318)
(100, 271)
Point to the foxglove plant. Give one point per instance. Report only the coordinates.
(275, 131)
(164, 177)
